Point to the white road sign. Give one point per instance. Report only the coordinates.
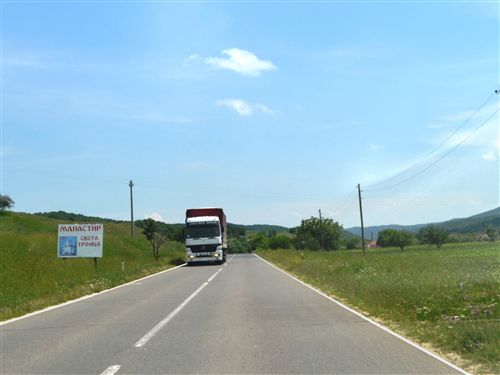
(80, 240)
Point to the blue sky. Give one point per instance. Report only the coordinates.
(272, 110)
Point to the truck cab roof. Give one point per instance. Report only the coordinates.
(202, 219)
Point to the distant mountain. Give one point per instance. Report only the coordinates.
(472, 224)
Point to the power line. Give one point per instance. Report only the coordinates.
(351, 198)
(426, 156)
(440, 158)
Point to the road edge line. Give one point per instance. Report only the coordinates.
(357, 313)
(88, 296)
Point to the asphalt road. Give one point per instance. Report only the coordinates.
(243, 317)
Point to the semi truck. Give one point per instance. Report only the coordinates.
(206, 235)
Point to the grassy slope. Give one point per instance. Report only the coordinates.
(446, 299)
(32, 277)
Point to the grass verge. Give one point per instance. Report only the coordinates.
(32, 277)
(446, 300)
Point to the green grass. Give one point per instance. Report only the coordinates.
(445, 299)
(33, 277)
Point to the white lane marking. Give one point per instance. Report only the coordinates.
(433, 355)
(111, 370)
(148, 336)
(85, 297)
(213, 276)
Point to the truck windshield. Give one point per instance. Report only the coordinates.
(202, 231)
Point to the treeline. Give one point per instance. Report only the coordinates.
(326, 234)
(430, 234)
(72, 217)
(312, 234)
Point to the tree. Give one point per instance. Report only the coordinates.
(156, 234)
(392, 237)
(404, 239)
(239, 245)
(259, 241)
(312, 233)
(234, 230)
(280, 241)
(178, 234)
(351, 242)
(387, 238)
(6, 202)
(491, 233)
(433, 235)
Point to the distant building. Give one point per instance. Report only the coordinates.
(372, 244)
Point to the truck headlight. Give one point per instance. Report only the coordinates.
(216, 255)
(190, 256)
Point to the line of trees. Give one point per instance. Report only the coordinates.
(430, 234)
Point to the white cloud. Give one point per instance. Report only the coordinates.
(265, 109)
(240, 61)
(238, 105)
(490, 156)
(193, 58)
(375, 147)
(464, 115)
(438, 126)
(471, 135)
(460, 116)
(155, 216)
(244, 108)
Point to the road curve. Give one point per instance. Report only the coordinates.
(244, 317)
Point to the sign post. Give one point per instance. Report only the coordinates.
(80, 241)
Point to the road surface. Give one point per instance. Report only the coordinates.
(243, 317)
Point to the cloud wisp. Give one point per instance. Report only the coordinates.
(155, 216)
(376, 147)
(244, 108)
(490, 156)
(240, 61)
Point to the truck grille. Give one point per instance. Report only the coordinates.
(203, 248)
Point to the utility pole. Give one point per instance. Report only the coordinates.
(361, 214)
(131, 184)
(321, 230)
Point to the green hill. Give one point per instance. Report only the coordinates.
(472, 224)
(264, 228)
(72, 217)
(33, 277)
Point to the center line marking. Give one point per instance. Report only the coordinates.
(213, 276)
(148, 336)
(111, 370)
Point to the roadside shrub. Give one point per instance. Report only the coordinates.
(280, 241)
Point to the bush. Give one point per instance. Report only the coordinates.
(239, 245)
(280, 241)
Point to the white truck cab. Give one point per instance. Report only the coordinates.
(204, 240)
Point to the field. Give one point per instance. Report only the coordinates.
(446, 300)
(32, 277)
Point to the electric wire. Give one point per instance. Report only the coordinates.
(346, 203)
(427, 156)
(438, 159)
